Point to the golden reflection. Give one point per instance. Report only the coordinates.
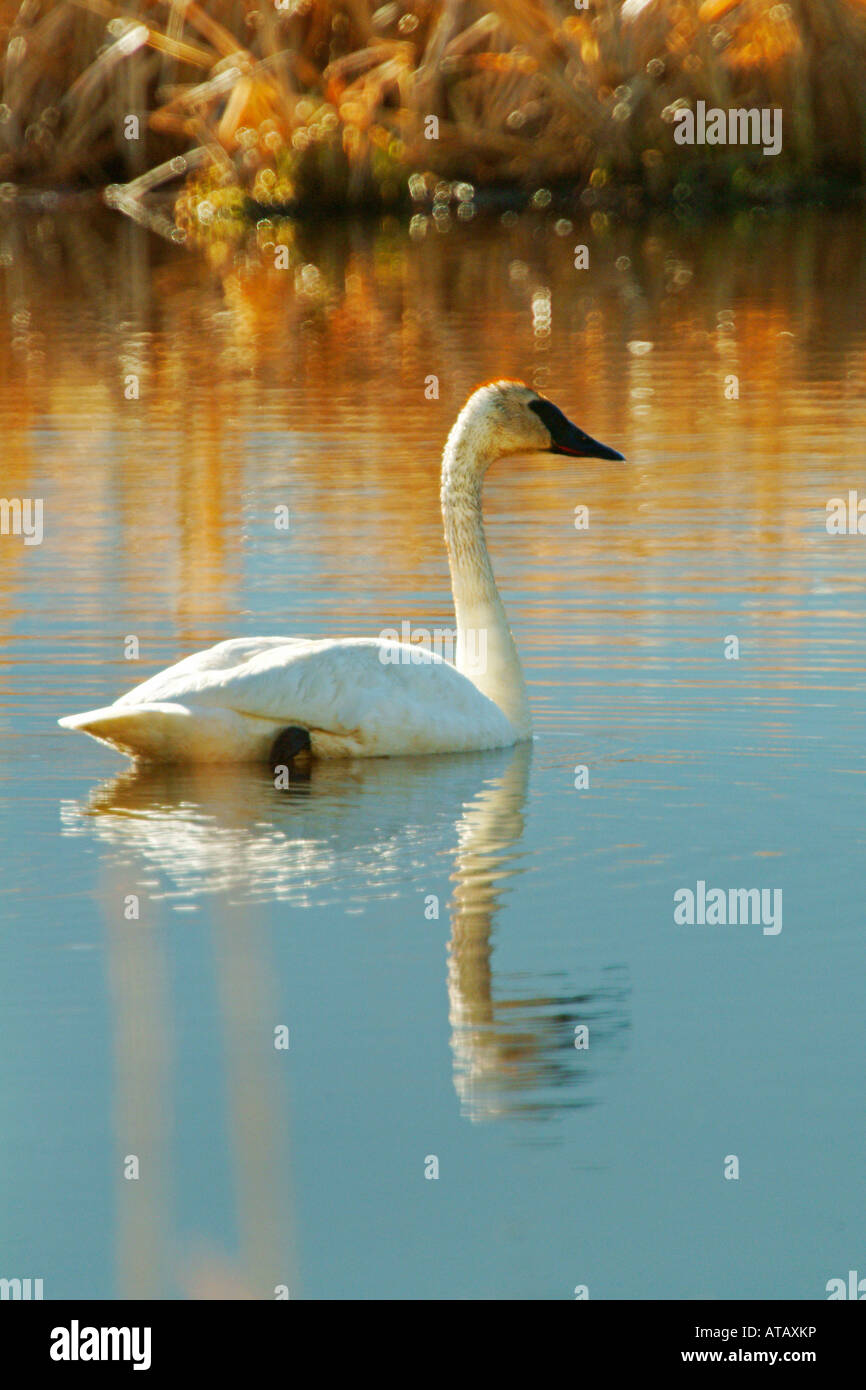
(150, 399)
(153, 1259)
(143, 1124)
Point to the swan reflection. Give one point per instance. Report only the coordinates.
(223, 840)
(513, 1038)
(353, 832)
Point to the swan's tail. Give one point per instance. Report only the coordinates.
(173, 733)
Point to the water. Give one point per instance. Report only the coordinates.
(432, 932)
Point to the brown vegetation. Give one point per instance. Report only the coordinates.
(330, 100)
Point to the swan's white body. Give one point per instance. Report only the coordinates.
(228, 704)
(358, 697)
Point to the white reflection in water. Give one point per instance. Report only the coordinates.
(356, 831)
(514, 1046)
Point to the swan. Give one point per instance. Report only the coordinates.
(281, 698)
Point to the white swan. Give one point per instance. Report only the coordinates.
(257, 698)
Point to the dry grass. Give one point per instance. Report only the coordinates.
(329, 100)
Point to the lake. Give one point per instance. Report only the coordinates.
(430, 1028)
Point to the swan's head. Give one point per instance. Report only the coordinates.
(507, 417)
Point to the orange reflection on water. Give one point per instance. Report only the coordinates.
(257, 387)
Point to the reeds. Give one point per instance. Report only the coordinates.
(343, 101)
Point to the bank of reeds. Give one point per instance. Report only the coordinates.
(342, 102)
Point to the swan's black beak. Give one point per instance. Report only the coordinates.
(567, 438)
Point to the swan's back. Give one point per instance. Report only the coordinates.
(356, 696)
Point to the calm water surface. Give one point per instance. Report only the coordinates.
(414, 1032)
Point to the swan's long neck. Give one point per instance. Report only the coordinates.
(486, 651)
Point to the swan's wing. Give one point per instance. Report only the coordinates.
(370, 691)
(225, 656)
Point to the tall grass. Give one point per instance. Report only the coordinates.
(331, 100)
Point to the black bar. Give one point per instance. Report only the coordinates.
(222, 1338)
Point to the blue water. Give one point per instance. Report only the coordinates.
(433, 931)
